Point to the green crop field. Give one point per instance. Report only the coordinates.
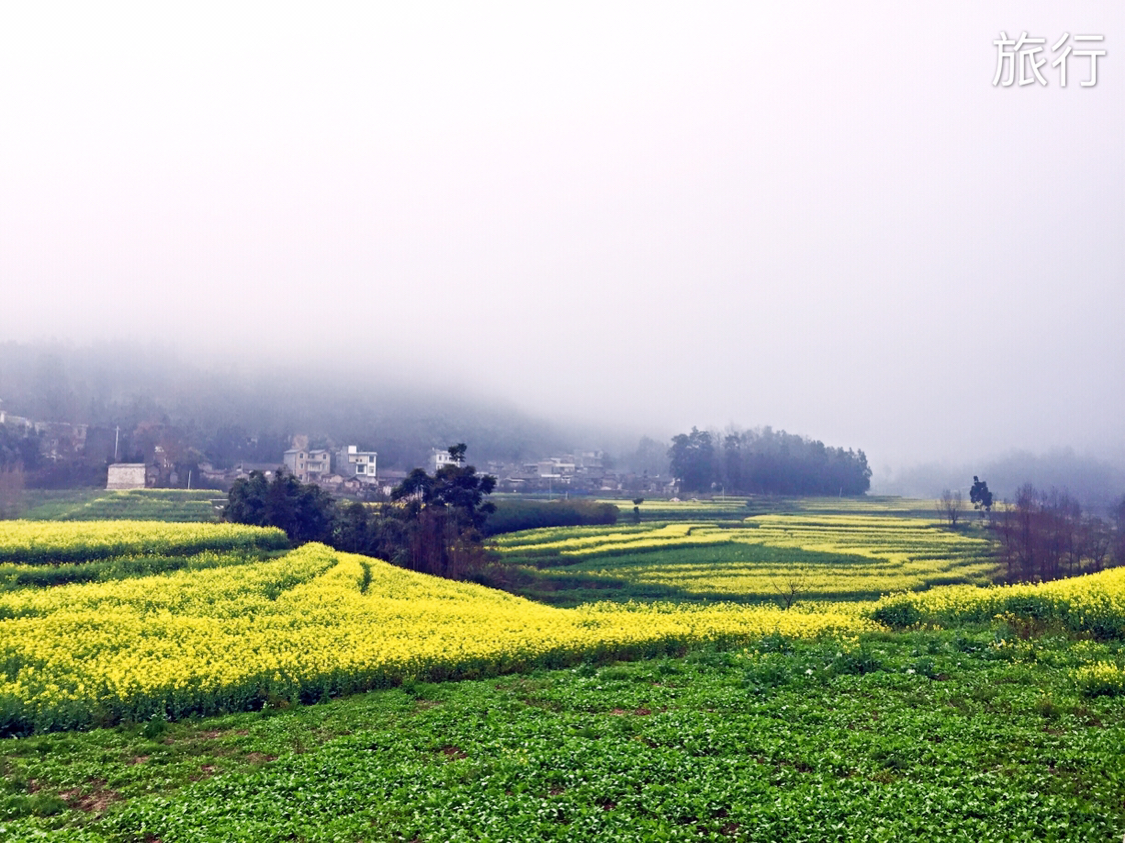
(136, 505)
(825, 550)
(787, 671)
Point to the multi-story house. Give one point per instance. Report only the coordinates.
(308, 465)
(360, 464)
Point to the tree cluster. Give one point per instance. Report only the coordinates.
(951, 504)
(444, 517)
(18, 452)
(18, 449)
(766, 462)
(305, 512)
(433, 525)
(1045, 536)
(513, 515)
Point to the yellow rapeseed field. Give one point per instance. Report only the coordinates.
(1094, 603)
(304, 626)
(45, 542)
(861, 555)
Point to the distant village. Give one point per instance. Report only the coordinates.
(153, 460)
(349, 470)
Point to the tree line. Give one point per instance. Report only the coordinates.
(766, 462)
(1046, 536)
(1042, 535)
(512, 515)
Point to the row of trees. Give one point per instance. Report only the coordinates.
(512, 515)
(1045, 536)
(432, 525)
(766, 461)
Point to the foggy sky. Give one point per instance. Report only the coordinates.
(823, 218)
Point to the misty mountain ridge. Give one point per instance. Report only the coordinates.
(355, 402)
(114, 384)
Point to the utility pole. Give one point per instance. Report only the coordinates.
(116, 438)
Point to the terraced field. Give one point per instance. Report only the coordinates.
(814, 555)
(49, 543)
(133, 505)
(313, 624)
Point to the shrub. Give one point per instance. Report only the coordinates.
(1102, 679)
(897, 613)
(514, 515)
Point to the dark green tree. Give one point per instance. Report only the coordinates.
(444, 515)
(692, 458)
(979, 495)
(637, 510)
(19, 448)
(732, 462)
(354, 531)
(304, 511)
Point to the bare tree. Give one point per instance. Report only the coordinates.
(1005, 528)
(950, 506)
(790, 586)
(1097, 541)
(1045, 536)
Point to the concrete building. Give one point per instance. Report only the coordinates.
(360, 464)
(442, 459)
(296, 461)
(319, 463)
(126, 475)
(307, 465)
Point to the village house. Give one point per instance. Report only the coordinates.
(442, 458)
(308, 465)
(360, 464)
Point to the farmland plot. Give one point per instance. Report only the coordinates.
(807, 556)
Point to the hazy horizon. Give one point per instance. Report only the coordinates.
(635, 217)
(156, 379)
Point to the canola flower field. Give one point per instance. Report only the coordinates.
(130, 505)
(51, 542)
(738, 508)
(1093, 603)
(238, 632)
(826, 556)
(311, 624)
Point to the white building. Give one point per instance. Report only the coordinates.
(126, 475)
(442, 459)
(361, 464)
